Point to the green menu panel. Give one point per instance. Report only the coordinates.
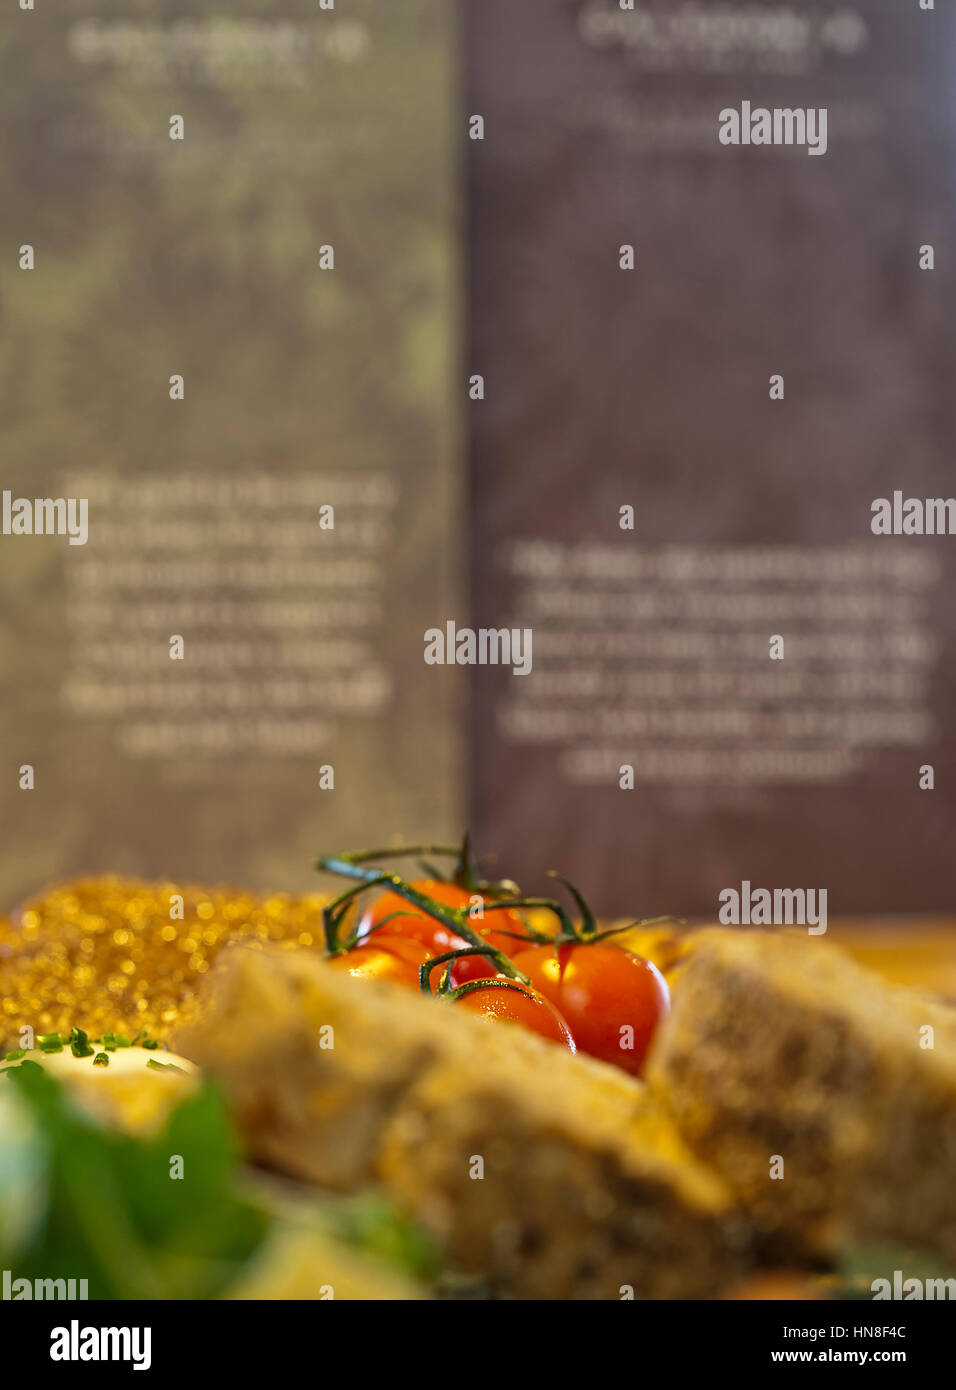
(229, 295)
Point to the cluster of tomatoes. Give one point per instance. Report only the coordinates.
(577, 988)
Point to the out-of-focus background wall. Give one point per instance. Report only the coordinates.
(699, 365)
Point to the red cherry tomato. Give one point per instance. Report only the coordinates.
(517, 1003)
(383, 957)
(493, 930)
(612, 999)
(435, 938)
(414, 923)
(388, 902)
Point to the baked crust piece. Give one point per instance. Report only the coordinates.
(779, 1044)
(586, 1188)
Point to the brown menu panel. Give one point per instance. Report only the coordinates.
(779, 358)
(228, 282)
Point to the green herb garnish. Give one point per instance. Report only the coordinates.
(101, 1060)
(112, 1209)
(372, 1224)
(165, 1066)
(80, 1044)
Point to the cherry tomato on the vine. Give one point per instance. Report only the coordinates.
(612, 999)
(414, 923)
(493, 929)
(517, 1003)
(388, 902)
(385, 957)
(433, 936)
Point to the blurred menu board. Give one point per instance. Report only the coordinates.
(679, 464)
(228, 285)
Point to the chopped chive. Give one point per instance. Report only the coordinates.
(164, 1066)
(101, 1060)
(151, 1043)
(15, 1055)
(50, 1042)
(79, 1044)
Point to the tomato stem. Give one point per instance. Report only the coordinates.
(354, 939)
(571, 933)
(333, 913)
(457, 919)
(465, 873)
(426, 969)
(642, 922)
(539, 938)
(470, 986)
(363, 856)
(588, 925)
